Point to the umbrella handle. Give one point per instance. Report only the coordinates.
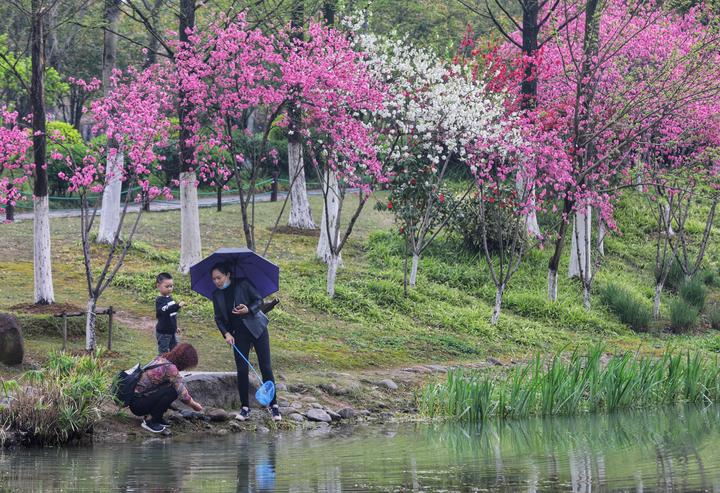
(246, 361)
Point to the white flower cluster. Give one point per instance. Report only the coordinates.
(436, 108)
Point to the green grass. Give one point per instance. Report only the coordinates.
(370, 322)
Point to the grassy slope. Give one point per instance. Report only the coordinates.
(369, 323)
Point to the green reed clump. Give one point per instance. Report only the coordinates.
(713, 315)
(576, 384)
(694, 292)
(59, 403)
(683, 316)
(629, 309)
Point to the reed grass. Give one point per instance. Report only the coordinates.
(574, 384)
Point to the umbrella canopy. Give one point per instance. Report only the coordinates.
(244, 263)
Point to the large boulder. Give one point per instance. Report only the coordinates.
(218, 389)
(12, 348)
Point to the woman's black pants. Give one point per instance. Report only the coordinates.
(244, 340)
(154, 402)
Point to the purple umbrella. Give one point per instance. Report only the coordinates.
(244, 263)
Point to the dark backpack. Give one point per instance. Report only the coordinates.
(123, 387)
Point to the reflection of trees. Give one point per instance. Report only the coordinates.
(582, 451)
(673, 449)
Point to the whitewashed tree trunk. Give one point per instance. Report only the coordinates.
(668, 222)
(110, 212)
(90, 320)
(498, 304)
(414, 268)
(602, 231)
(324, 251)
(552, 284)
(332, 274)
(656, 304)
(531, 223)
(190, 244)
(580, 257)
(586, 295)
(300, 215)
(42, 258)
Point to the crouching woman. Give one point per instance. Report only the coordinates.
(160, 384)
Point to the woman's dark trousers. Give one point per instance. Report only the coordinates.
(154, 402)
(244, 340)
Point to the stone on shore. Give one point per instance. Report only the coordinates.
(388, 384)
(318, 415)
(12, 347)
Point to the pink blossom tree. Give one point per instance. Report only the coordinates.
(607, 81)
(15, 165)
(224, 73)
(134, 116)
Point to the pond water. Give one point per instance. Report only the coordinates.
(674, 449)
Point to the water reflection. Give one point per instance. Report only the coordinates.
(670, 450)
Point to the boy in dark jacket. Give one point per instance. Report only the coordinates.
(166, 310)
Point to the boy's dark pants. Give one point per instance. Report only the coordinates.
(154, 402)
(166, 342)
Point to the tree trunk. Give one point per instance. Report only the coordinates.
(219, 198)
(44, 292)
(580, 250)
(41, 256)
(332, 274)
(656, 304)
(414, 268)
(552, 284)
(586, 295)
(332, 206)
(300, 214)
(554, 263)
(9, 213)
(668, 221)
(602, 231)
(90, 320)
(498, 304)
(110, 212)
(191, 246)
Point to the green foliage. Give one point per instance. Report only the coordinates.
(694, 293)
(710, 278)
(60, 403)
(683, 316)
(629, 309)
(468, 222)
(675, 277)
(557, 385)
(15, 94)
(64, 139)
(713, 315)
(415, 189)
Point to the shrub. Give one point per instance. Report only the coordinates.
(675, 277)
(629, 309)
(467, 223)
(59, 403)
(683, 316)
(710, 278)
(714, 317)
(694, 293)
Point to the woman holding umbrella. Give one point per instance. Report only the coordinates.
(242, 323)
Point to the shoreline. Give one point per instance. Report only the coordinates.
(315, 400)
